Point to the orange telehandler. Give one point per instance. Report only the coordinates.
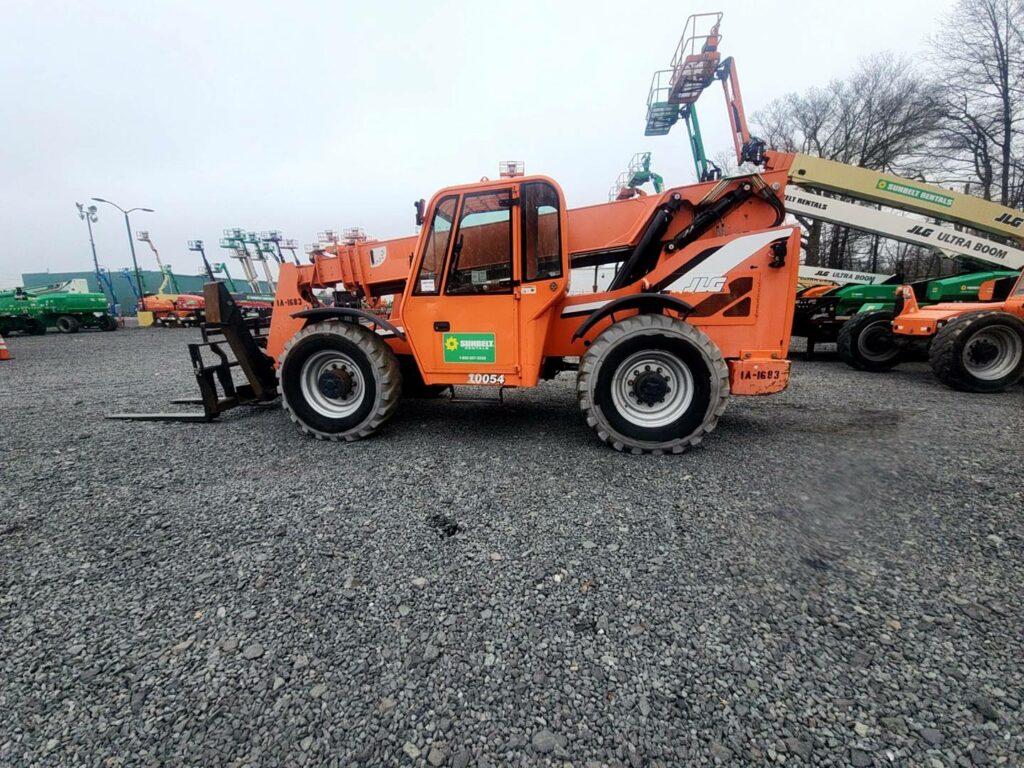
(700, 307)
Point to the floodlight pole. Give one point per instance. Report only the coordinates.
(131, 242)
(89, 215)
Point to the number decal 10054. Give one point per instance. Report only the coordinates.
(486, 378)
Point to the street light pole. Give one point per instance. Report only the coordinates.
(135, 262)
(131, 243)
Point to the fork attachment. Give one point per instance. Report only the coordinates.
(246, 341)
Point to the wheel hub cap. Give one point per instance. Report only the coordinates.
(332, 384)
(335, 383)
(983, 352)
(876, 342)
(650, 387)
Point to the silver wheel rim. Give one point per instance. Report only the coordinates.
(871, 332)
(322, 363)
(676, 376)
(993, 352)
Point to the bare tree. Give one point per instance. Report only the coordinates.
(979, 58)
(877, 118)
(880, 117)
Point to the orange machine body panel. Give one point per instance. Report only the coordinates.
(182, 306)
(481, 295)
(816, 290)
(921, 322)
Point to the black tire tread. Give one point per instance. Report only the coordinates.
(943, 356)
(846, 342)
(613, 334)
(72, 322)
(384, 362)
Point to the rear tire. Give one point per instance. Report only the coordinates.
(866, 342)
(338, 381)
(652, 384)
(35, 327)
(68, 324)
(979, 352)
(107, 323)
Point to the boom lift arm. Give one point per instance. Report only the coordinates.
(220, 268)
(697, 55)
(637, 173)
(168, 275)
(260, 255)
(197, 246)
(234, 240)
(939, 237)
(128, 276)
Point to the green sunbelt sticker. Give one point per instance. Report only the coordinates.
(468, 347)
(915, 192)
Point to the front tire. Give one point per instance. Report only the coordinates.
(652, 384)
(866, 342)
(35, 327)
(338, 381)
(979, 352)
(68, 324)
(107, 323)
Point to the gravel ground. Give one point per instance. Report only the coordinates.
(834, 578)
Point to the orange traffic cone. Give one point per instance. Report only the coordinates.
(5, 354)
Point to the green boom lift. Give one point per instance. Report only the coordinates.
(33, 310)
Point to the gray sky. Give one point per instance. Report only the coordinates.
(303, 116)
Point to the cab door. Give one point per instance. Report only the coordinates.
(461, 313)
(544, 269)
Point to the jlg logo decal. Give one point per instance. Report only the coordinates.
(704, 285)
(1013, 221)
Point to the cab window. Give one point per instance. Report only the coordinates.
(481, 260)
(542, 250)
(429, 278)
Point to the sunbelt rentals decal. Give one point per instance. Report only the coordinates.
(468, 347)
(906, 190)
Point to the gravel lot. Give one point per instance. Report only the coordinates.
(834, 578)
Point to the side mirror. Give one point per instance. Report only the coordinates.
(419, 205)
